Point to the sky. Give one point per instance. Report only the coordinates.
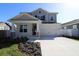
(66, 11)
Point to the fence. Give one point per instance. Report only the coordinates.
(69, 32)
(7, 33)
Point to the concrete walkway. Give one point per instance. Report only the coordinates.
(59, 46)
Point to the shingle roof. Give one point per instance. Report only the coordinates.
(71, 22)
(44, 11)
(41, 10)
(24, 17)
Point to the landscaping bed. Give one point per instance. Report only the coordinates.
(19, 47)
(30, 48)
(9, 47)
(6, 42)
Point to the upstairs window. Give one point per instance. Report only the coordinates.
(51, 18)
(43, 17)
(23, 28)
(39, 11)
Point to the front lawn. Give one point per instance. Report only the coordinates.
(9, 47)
(11, 51)
(19, 47)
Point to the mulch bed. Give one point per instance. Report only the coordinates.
(30, 48)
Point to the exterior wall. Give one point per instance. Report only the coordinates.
(54, 17)
(73, 26)
(43, 29)
(70, 30)
(66, 32)
(29, 29)
(50, 29)
(47, 15)
(70, 27)
(40, 14)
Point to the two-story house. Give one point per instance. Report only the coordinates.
(36, 23)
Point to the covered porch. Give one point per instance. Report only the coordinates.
(27, 25)
(28, 28)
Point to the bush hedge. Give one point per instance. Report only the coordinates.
(6, 42)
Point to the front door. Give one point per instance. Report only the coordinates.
(34, 28)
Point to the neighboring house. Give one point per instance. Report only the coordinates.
(72, 27)
(4, 30)
(4, 26)
(36, 23)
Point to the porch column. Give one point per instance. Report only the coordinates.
(38, 30)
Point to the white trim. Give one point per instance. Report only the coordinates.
(25, 21)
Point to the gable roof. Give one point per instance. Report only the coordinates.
(24, 17)
(71, 22)
(40, 10)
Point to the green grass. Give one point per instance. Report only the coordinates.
(11, 51)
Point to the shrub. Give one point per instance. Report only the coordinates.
(8, 41)
(24, 39)
(30, 48)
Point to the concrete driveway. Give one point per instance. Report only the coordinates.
(59, 46)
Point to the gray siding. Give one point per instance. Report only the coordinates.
(70, 27)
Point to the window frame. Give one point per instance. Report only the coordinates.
(51, 18)
(43, 17)
(23, 28)
(39, 12)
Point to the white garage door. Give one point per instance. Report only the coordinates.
(50, 29)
